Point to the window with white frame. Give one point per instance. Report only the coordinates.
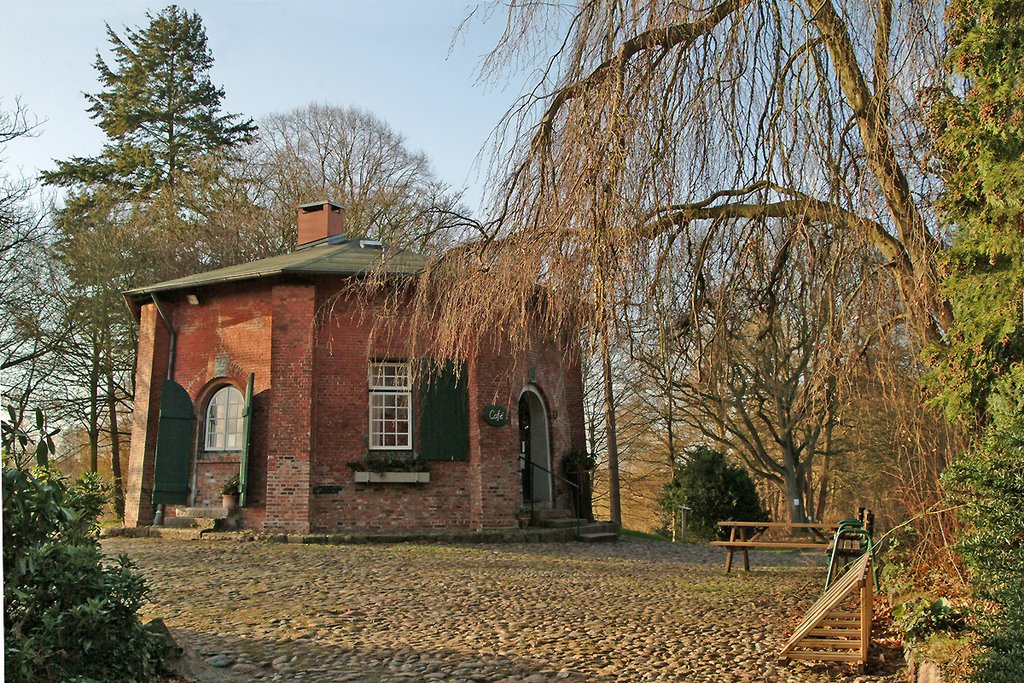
(390, 406)
(224, 420)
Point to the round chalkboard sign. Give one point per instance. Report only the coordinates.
(496, 416)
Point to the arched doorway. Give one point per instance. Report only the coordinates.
(534, 447)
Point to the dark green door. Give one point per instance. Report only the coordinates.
(444, 412)
(173, 445)
(243, 465)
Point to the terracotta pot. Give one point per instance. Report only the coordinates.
(229, 502)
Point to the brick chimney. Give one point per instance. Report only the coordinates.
(319, 220)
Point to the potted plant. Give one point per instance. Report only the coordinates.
(523, 516)
(229, 493)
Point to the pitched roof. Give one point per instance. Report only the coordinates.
(336, 256)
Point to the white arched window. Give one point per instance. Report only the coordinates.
(224, 420)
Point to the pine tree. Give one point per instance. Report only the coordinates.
(158, 107)
(128, 218)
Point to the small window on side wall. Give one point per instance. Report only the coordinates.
(390, 406)
(224, 420)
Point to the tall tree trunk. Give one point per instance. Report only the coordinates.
(115, 438)
(809, 493)
(826, 467)
(614, 503)
(94, 399)
(795, 499)
(670, 427)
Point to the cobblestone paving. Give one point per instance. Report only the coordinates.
(632, 611)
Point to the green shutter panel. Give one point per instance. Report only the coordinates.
(444, 413)
(173, 445)
(243, 465)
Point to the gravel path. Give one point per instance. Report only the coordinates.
(632, 611)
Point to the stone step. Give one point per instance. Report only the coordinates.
(600, 537)
(180, 522)
(561, 522)
(541, 512)
(201, 523)
(212, 513)
(179, 534)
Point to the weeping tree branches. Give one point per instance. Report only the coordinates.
(651, 119)
(659, 136)
(663, 39)
(760, 365)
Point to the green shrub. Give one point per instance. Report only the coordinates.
(919, 618)
(24, 442)
(70, 613)
(988, 485)
(714, 491)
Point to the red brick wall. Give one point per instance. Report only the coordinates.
(499, 379)
(309, 350)
(221, 341)
(346, 341)
(150, 372)
(292, 408)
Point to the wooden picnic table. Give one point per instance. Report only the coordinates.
(750, 536)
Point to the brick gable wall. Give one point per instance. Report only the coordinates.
(311, 413)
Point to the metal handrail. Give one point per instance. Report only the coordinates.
(850, 530)
(578, 497)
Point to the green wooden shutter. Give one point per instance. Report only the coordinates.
(444, 412)
(243, 465)
(173, 445)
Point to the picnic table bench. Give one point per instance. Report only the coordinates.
(746, 535)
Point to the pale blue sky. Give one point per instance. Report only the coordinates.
(388, 56)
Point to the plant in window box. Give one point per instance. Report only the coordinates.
(229, 493)
(390, 469)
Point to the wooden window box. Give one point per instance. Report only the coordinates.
(392, 477)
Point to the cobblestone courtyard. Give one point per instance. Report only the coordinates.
(632, 611)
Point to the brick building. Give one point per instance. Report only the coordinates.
(247, 371)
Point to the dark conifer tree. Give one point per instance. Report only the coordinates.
(159, 109)
(980, 370)
(130, 217)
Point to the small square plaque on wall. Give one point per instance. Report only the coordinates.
(220, 366)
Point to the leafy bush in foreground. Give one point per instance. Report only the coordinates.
(988, 485)
(70, 613)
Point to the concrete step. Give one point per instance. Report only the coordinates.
(600, 537)
(180, 522)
